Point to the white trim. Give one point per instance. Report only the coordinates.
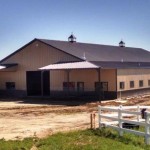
(2, 67)
(72, 65)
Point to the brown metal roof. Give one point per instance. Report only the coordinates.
(96, 64)
(96, 52)
(122, 65)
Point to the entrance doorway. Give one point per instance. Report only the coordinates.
(38, 83)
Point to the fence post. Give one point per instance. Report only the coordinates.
(138, 116)
(94, 120)
(99, 116)
(119, 120)
(147, 138)
(91, 118)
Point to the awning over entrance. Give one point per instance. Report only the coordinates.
(71, 65)
(97, 64)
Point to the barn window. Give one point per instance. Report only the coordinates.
(141, 83)
(69, 86)
(103, 86)
(80, 86)
(131, 84)
(122, 85)
(10, 85)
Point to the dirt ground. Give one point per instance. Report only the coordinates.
(21, 118)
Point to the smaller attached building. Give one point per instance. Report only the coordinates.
(109, 79)
(68, 68)
(86, 79)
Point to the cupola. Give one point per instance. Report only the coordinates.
(72, 38)
(121, 44)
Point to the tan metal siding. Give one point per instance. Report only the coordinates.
(109, 75)
(88, 76)
(31, 58)
(56, 80)
(127, 75)
(82, 75)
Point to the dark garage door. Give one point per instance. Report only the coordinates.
(46, 83)
(37, 83)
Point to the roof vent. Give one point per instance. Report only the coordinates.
(72, 38)
(121, 44)
(84, 57)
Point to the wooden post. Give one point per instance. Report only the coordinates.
(99, 116)
(94, 120)
(91, 118)
(120, 122)
(147, 138)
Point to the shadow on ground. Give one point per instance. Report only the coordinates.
(69, 101)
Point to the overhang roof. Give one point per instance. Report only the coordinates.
(70, 65)
(97, 64)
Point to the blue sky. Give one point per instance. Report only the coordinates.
(92, 21)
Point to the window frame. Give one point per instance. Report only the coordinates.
(80, 89)
(148, 82)
(122, 85)
(141, 83)
(131, 84)
(101, 86)
(10, 85)
(68, 86)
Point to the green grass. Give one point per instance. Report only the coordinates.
(26, 144)
(105, 139)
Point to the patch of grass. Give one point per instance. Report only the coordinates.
(127, 138)
(104, 139)
(90, 140)
(26, 144)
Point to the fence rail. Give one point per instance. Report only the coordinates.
(118, 119)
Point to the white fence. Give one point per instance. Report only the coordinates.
(115, 116)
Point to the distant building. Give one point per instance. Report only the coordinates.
(69, 68)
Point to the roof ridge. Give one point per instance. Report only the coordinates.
(88, 43)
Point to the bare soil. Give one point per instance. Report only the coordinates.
(21, 118)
